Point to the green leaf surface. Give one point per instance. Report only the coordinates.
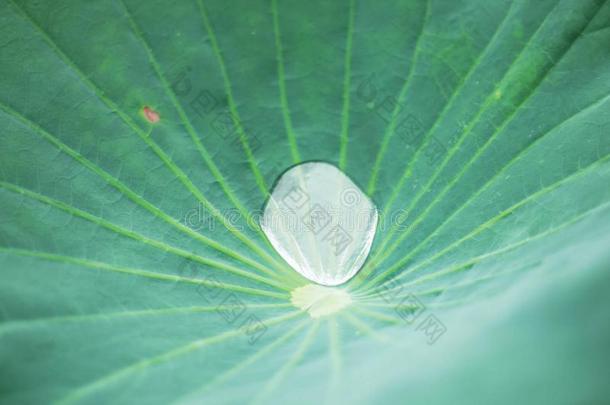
(140, 141)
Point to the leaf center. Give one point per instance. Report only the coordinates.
(320, 301)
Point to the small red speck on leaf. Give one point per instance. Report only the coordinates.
(151, 115)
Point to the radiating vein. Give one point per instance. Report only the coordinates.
(260, 180)
(132, 195)
(409, 169)
(378, 316)
(438, 291)
(214, 264)
(10, 325)
(281, 81)
(496, 176)
(455, 148)
(268, 349)
(362, 327)
(180, 175)
(193, 133)
(146, 363)
(465, 131)
(490, 222)
(334, 353)
(347, 75)
(479, 152)
(401, 96)
(383, 304)
(143, 273)
(289, 365)
(447, 107)
(454, 268)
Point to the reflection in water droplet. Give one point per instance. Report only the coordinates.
(320, 222)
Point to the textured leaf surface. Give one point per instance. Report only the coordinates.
(140, 141)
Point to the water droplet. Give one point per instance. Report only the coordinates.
(320, 222)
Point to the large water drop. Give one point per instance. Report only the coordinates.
(320, 222)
